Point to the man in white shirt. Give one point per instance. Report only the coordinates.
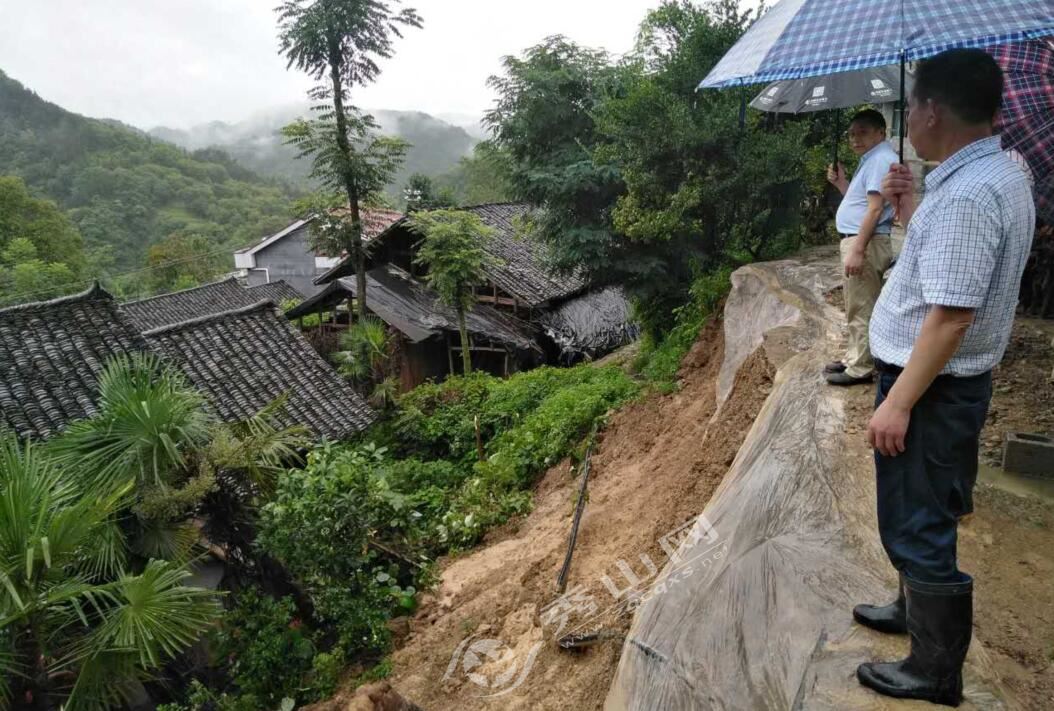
(864, 220)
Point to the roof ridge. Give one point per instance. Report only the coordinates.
(502, 203)
(92, 292)
(199, 320)
(181, 291)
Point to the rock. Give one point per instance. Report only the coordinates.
(379, 696)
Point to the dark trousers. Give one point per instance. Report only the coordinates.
(923, 491)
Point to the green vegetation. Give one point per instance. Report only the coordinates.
(452, 250)
(41, 252)
(644, 181)
(125, 192)
(660, 358)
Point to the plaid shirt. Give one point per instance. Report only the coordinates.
(967, 245)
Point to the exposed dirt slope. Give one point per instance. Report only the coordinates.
(654, 468)
(487, 636)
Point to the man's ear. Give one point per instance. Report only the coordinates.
(936, 114)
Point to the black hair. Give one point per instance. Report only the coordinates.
(870, 118)
(967, 81)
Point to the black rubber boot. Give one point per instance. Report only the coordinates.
(891, 618)
(940, 622)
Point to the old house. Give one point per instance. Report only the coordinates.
(245, 358)
(429, 343)
(567, 320)
(287, 255)
(241, 358)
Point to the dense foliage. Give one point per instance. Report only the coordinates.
(41, 252)
(125, 191)
(642, 180)
(453, 251)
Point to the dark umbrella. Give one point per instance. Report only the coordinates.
(875, 85)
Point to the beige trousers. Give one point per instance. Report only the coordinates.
(861, 292)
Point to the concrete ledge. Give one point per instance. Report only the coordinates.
(1030, 455)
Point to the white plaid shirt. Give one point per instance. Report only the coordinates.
(966, 247)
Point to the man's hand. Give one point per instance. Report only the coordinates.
(888, 429)
(898, 189)
(836, 177)
(855, 259)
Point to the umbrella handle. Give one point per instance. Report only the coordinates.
(903, 105)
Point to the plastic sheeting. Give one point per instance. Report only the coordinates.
(753, 612)
(593, 324)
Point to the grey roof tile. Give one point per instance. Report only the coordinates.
(51, 353)
(178, 306)
(277, 292)
(245, 358)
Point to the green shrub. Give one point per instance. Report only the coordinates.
(332, 524)
(660, 360)
(266, 648)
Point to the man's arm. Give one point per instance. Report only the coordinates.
(942, 333)
(854, 263)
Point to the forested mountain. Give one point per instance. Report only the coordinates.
(126, 192)
(256, 143)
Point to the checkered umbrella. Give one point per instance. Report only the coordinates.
(1026, 120)
(807, 38)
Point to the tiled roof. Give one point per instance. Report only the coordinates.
(278, 292)
(414, 310)
(520, 269)
(245, 358)
(51, 353)
(180, 306)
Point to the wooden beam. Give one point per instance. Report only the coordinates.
(501, 300)
(481, 349)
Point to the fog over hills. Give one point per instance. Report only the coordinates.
(257, 144)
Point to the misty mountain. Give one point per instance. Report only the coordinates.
(257, 144)
(126, 191)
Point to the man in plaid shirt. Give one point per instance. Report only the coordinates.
(941, 324)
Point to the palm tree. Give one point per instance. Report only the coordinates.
(149, 423)
(77, 628)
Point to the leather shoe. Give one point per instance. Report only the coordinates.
(846, 379)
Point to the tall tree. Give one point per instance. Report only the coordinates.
(452, 249)
(338, 43)
(544, 128)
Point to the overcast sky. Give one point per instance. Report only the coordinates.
(185, 62)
